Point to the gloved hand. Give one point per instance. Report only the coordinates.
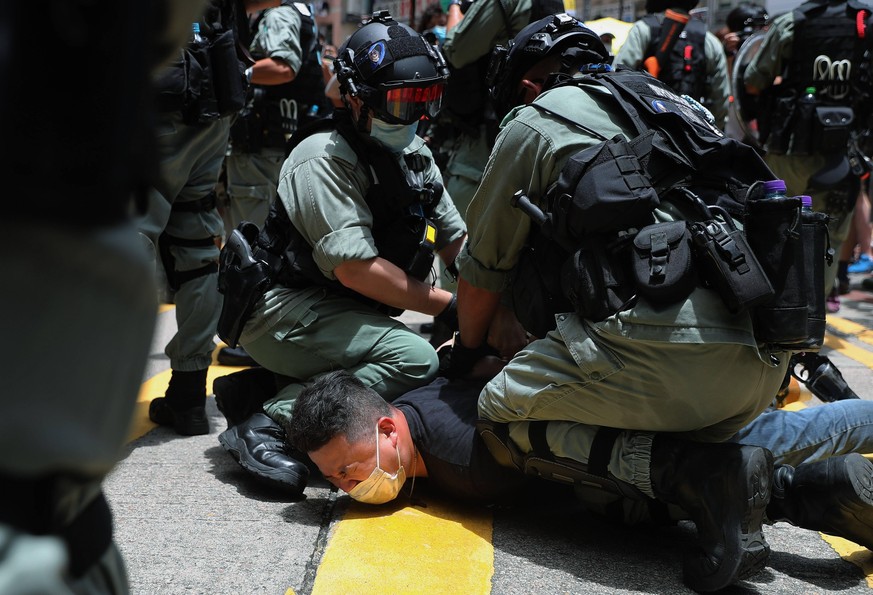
(457, 360)
(449, 315)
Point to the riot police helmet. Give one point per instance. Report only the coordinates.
(747, 18)
(555, 35)
(395, 72)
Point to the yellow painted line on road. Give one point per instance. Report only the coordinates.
(854, 352)
(847, 327)
(156, 386)
(854, 553)
(400, 548)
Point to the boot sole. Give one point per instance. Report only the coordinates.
(283, 479)
(745, 550)
(853, 509)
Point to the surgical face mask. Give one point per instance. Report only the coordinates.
(439, 32)
(394, 137)
(381, 486)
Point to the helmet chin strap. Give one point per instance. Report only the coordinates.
(363, 119)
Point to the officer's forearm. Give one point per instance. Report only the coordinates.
(269, 71)
(378, 279)
(449, 253)
(476, 309)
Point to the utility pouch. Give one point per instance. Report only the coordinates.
(246, 132)
(608, 186)
(242, 279)
(780, 123)
(171, 85)
(817, 256)
(227, 73)
(662, 263)
(727, 264)
(831, 128)
(409, 243)
(597, 279)
(773, 230)
(536, 286)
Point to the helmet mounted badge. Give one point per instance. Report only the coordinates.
(558, 34)
(395, 72)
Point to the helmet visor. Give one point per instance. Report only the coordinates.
(405, 105)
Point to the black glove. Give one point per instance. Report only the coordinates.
(449, 315)
(456, 360)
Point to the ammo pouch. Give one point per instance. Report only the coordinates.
(727, 264)
(662, 263)
(831, 128)
(596, 278)
(773, 229)
(242, 279)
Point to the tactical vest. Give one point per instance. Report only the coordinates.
(466, 95)
(205, 82)
(831, 56)
(402, 228)
(599, 248)
(685, 72)
(307, 88)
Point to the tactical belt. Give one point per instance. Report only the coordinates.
(29, 506)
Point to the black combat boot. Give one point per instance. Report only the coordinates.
(834, 496)
(258, 445)
(242, 394)
(184, 406)
(235, 356)
(725, 488)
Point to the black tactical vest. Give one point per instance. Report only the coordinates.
(402, 230)
(307, 88)
(685, 72)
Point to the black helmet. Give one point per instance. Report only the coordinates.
(396, 73)
(747, 18)
(556, 34)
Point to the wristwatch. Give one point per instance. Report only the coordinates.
(451, 2)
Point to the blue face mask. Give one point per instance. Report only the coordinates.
(440, 33)
(394, 137)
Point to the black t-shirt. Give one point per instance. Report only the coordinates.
(441, 418)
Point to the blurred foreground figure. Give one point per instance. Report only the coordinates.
(78, 303)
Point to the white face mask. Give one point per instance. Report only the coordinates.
(394, 137)
(381, 486)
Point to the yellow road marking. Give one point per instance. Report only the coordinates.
(854, 329)
(852, 351)
(370, 549)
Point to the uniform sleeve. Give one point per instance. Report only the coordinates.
(717, 79)
(497, 231)
(278, 36)
(633, 50)
(324, 197)
(482, 28)
(774, 53)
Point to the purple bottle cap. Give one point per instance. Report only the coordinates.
(773, 186)
(806, 201)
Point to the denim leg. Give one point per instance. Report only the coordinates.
(814, 433)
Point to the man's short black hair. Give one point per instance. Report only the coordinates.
(335, 404)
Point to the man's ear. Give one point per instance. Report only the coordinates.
(387, 425)
(531, 89)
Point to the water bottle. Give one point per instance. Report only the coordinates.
(774, 189)
(195, 29)
(814, 237)
(805, 203)
(801, 142)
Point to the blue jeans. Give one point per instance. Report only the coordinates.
(814, 433)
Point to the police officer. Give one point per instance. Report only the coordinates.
(287, 91)
(696, 65)
(198, 93)
(78, 270)
(815, 65)
(360, 214)
(690, 368)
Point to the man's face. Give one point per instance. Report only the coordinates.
(346, 465)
